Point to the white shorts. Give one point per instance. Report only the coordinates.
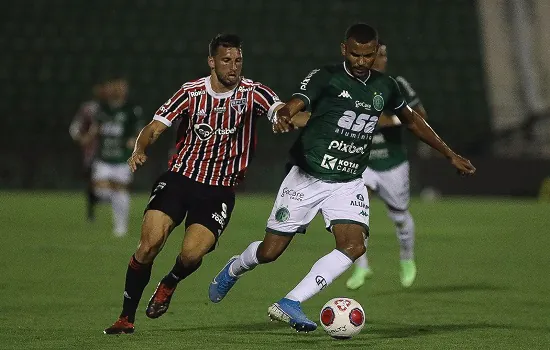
(392, 185)
(119, 173)
(301, 196)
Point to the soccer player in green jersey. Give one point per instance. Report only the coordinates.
(116, 123)
(331, 154)
(388, 175)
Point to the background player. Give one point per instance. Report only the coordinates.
(216, 139)
(331, 154)
(83, 131)
(116, 124)
(388, 175)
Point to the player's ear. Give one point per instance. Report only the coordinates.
(343, 49)
(211, 62)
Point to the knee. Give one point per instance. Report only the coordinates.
(267, 254)
(148, 250)
(191, 257)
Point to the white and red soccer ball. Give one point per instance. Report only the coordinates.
(342, 318)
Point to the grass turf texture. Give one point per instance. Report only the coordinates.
(482, 280)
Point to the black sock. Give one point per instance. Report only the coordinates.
(91, 202)
(137, 277)
(179, 272)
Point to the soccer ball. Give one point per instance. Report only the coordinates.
(342, 318)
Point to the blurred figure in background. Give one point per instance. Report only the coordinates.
(116, 123)
(388, 175)
(83, 131)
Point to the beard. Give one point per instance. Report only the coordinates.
(227, 80)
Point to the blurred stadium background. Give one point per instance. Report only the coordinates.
(468, 60)
(481, 68)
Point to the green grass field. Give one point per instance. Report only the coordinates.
(483, 280)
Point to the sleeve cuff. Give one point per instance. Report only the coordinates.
(400, 106)
(302, 97)
(163, 120)
(271, 111)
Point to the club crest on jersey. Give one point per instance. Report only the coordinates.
(378, 102)
(238, 105)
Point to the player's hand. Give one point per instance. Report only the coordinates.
(463, 165)
(282, 124)
(137, 158)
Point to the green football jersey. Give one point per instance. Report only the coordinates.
(335, 143)
(388, 145)
(117, 126)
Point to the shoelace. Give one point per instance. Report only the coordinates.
(226, 283)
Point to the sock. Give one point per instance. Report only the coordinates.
(404, 225)
(363, 261)
(104, 194)
(179, 272)
(91, 201)
(121, 208)
(323, 272)
(246, 261)
(137, 277)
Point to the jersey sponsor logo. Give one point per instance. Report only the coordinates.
(360, 204)
(360, 124)
(219, 109)
(363, 104)
(245, 89)
(329, 162)
(205, 131)
(197, 93)
(282, 214)
(303, 84)
(345, 94)
(292, 194)
(347, 148)
(378, 102)
(333, 163)
(238, 104)
(381, 153)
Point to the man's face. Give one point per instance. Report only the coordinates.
(381, 60)
(227, 64)
(359, 57)
(117, 89)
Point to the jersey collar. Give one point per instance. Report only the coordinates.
(364, 82)
(218, 95)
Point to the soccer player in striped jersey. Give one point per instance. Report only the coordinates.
(216, 141)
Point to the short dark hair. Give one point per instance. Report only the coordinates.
(224, 40)
(362, 33)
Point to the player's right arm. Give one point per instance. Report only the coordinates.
(165, 115)
(311, 88)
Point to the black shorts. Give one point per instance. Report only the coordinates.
(178, 196)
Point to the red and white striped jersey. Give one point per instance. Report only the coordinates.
(217, 131)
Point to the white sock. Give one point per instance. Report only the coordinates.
(322, 273)
(363, 261)
(246, 261)
(105, 194)
(121, 208)
(405, 233)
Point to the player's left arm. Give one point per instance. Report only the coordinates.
(418, 126)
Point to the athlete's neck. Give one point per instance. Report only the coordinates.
(218, 87)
